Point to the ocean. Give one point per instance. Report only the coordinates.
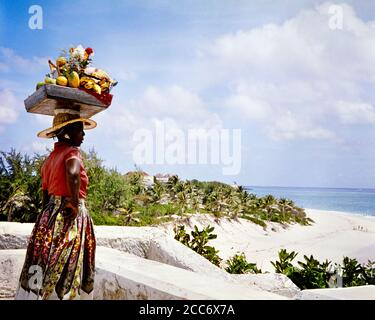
(359, 201)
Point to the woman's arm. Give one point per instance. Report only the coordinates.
(73, 180)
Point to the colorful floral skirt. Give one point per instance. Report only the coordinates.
(60, 258)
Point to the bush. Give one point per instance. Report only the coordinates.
(355, 274)
(314, 274)
(107, 191)
(239, 265)
(20, 186)
(198, 242)
(285, 261)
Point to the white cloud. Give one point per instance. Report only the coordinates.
(355, 113)
(294, 78)
(11, 61)
(171, 100)
(8, 107)
(174, 105)
(44, 120)
(288, 127)
(40, 147)
(252, 108)
(175, 102)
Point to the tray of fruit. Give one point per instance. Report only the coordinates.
(74, 84)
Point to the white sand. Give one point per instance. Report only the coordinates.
(332, 236)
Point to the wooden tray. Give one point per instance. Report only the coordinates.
(50, 97)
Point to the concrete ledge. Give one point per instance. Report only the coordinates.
(272, 282)
(121, 275)
(351, 293)
(14, 235)
(145, 242)
(140, 278)
(167, 250)
(11, 262)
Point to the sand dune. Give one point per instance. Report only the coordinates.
(332, 236)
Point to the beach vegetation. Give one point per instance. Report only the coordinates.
(239, 265)
(284, 264)
(20, 182)
(355, 274)
(307, 274)
(197, 241)
(117, 199)
(312, 274)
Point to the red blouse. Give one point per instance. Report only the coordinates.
(54, 174)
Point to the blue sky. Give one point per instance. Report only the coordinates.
(300, 92)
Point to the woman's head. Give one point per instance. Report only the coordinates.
(72, 133)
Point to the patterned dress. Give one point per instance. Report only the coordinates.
(60, 258)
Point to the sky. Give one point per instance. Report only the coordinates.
(283, 87)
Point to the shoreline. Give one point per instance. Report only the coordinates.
(333, 235)
(349, 213)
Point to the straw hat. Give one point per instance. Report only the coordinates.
(64, 117)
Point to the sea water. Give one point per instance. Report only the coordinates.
(359, 201)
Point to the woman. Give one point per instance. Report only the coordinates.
(60, 258)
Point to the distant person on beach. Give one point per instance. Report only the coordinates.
(60, 258)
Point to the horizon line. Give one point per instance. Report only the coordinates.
(299, 187)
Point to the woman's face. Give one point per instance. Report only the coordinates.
(76, 133)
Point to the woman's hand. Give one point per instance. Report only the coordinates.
(70, 209)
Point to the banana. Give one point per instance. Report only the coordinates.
(89, 85)
(97, 88)
(105, 85)
(84, 80)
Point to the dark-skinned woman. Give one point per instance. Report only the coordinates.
(60, 258)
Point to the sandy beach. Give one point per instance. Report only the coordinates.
(332, 236)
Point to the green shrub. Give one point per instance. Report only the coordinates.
(198, 242)
(353, 273)
(285, 261)
(255, 220)
(101, 219)
(368, 272)
(239, 265)
(107, 191)
(20, 186)
(314, 274)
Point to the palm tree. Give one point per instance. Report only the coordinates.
(269, 200)
(172, 182)
(236, 206)
(156, 191)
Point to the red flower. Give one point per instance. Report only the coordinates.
(89, 51)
